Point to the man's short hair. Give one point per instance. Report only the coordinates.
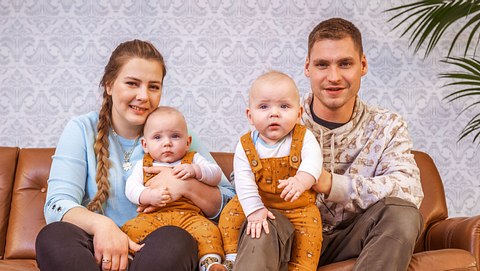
(335, 29)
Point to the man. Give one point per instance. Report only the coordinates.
(369, 191)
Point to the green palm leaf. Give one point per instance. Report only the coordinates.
(429, 19)
(468, 75)
(426, 22)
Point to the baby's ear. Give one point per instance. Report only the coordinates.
(189, 141)
(300, 112)
(144, 144)
(249, 115)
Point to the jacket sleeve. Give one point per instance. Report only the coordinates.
(394, 172)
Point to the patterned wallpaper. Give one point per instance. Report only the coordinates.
(52, 54)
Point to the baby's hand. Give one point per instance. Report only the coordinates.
(154, 199)
(159, 197)
(147, 209)
(184, 171)
(258, 220)
(292, 189)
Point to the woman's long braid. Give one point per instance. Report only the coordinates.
(101, 150)
(122, 54)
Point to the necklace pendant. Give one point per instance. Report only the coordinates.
(127, 166)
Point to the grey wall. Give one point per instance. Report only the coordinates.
(52, 54)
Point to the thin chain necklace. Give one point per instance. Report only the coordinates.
(127, 165)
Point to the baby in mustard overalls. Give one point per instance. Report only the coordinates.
(275, 165)
(166, 143)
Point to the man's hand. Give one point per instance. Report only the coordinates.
(324, 184)
(258, 220)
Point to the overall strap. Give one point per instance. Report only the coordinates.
(147, 162)
(188, 158)
(251, 152)
(297, 144)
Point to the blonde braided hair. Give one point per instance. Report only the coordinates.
(121, 55)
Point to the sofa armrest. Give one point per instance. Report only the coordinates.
(458, 232)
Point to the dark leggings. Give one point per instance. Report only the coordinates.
(64, 246)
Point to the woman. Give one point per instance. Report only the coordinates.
(86, 189)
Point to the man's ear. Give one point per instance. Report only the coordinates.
(144, 144)
(364, 64)
(306, 69)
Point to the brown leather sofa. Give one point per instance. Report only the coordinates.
(446, 243)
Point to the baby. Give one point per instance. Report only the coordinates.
(166, 143)
(275, 165)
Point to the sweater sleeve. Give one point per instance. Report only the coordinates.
(396, 173)
(245, 185)
(68, 173)
(134, 186)
(312, 159)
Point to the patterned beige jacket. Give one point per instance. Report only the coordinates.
(371, 160)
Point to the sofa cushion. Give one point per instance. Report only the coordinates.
(18, 265)
(28, 197)
(434, 205)
(8, 161)
(439, 260)
(225, 161)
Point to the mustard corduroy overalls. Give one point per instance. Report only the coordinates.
(303, 213)
(181, 213)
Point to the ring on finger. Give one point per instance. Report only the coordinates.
(105, 260)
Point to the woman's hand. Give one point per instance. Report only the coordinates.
(166, 178)
(207, 198)
(111, 246)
